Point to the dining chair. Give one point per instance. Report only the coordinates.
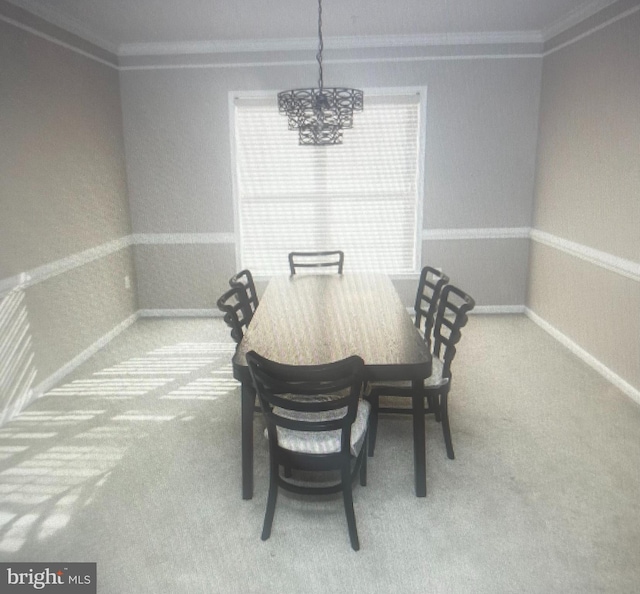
(233, 303)
(244, 280)
(325, 259)
(451, 316)
(316, 421)
(431, 282)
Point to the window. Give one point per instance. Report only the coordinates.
(363, 197)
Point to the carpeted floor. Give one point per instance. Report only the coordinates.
(133, 462)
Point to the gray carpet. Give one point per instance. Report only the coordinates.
(134, 463)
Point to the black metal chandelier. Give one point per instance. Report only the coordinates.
(320, 115)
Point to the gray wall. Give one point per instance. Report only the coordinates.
(585, 274)
(482, 115)
(63, 204)
(74, 221)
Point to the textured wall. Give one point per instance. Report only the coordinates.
(183, 276)
(480, 155)
(63, 167)
(64, 189)
(596, 308)
(588, 193)
(588, 176)
(63, 192)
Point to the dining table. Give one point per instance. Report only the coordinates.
(310, 319)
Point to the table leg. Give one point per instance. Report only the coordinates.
(248, 403)
(419, 454)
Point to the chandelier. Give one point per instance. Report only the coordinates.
(320, 115)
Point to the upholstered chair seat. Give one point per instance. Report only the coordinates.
(325, 442)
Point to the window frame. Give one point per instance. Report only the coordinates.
(421, 91)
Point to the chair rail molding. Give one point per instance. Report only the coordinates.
(483, 233)
(182, 238)
(25, 279)
(41, 273)
(51, 269)
(621, 266)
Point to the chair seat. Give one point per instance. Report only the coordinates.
(324, 442)
(435, 380)
(450, 317)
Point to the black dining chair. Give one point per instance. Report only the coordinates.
(244, 280)
(316, 421)
(233, 303)
(431, 283)
(316, 260)
(453, 307)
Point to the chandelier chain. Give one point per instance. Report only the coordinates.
(320, 115)
(320, 45)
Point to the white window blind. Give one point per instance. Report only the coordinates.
(362, 197)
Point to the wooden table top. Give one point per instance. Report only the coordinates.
(311, 319)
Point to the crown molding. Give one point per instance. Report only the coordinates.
(331, 43)
(577, 37)
(574, 18)
(56, 41)
(74, 26)
(69, 24)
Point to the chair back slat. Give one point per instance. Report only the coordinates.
(429, 288)
(451, 317)
(327, 395)
(233, 303)
(244, 280)
(316, 260)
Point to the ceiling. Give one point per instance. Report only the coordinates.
(114, 24)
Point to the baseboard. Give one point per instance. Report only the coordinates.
(589, 359)
(45, 385)
(48, 383)
(488, 309)
(179, 313)
(498, 309)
